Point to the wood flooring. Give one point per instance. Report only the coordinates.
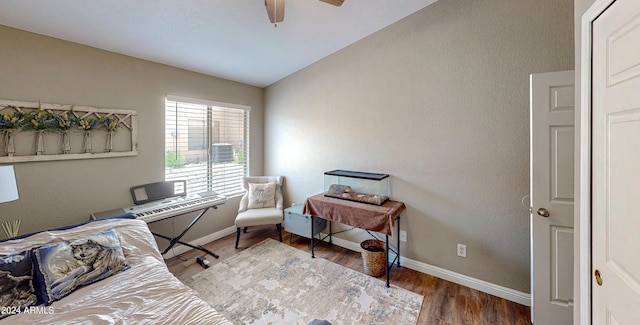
(445, 303)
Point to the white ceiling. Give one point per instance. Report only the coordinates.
(231, 39)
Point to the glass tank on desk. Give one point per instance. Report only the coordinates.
(372, 188)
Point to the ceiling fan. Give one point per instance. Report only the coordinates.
(275, 9)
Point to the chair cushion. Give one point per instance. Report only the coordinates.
(262, 195)
(256, 217)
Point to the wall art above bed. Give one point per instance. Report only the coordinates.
(35, 131)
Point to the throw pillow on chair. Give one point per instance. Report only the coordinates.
(261, 204)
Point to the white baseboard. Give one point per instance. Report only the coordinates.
(461, 279)
(179, 249)
(467, 281)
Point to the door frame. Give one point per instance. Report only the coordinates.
(582, 273)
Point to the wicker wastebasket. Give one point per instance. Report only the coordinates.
(374, 257)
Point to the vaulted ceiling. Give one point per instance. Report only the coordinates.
(231, 39)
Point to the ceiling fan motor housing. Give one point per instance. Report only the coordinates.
(275, 8)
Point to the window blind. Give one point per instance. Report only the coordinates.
(206, 144)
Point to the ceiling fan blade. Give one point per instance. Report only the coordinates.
(275, 10)
(334, 2)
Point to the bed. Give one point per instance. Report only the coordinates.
(141, 291)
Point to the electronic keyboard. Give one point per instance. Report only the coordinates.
(162, 200)
(171, 207)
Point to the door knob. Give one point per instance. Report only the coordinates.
(598, 278)
(543, 212)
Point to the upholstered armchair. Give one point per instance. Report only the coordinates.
(262, 204)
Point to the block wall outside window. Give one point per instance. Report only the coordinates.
(206, 144)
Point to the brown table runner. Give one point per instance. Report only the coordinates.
(361, 215)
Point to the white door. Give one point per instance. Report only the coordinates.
(552, 148)
(615, 191)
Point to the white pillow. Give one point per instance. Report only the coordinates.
(262, 195)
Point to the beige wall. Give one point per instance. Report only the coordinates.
(440, 101)
(52, 194)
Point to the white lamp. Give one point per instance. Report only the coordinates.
(8, 186)
(9, 192)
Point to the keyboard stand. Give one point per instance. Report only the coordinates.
(176, 240)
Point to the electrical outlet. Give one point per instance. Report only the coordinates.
(403, 235)
(462, 250)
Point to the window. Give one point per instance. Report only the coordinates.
(206, 144)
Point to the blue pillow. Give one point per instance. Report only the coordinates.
(65, 266)
(16, 283)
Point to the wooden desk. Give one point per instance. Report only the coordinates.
(360, 215)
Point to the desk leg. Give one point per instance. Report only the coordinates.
(313, 255)
(386, 265)
(398, 240)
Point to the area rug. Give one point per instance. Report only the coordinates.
(273, 283)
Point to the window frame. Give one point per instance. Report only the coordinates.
(208, 124)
